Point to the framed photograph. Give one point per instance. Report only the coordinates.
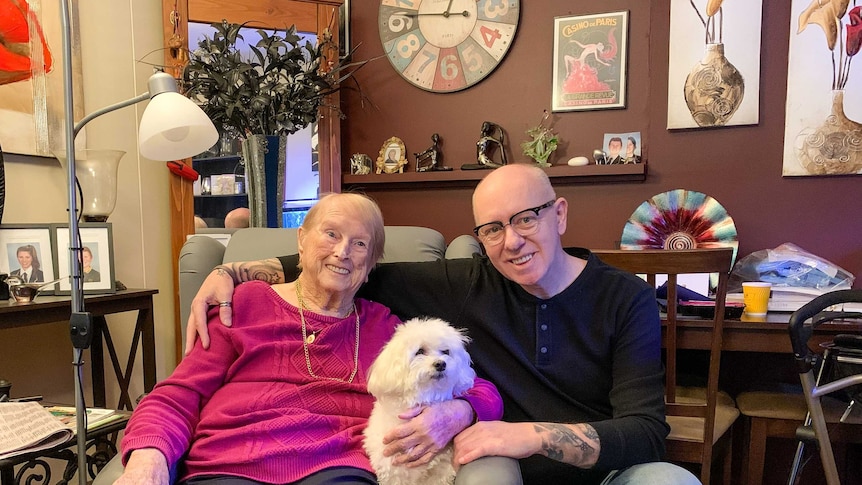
(393, 156)
(590, 58)
(97, 257)
(28, 253)
(622, 148)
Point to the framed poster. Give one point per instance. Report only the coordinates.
(27, 253)
(97, 257)
(590, 57)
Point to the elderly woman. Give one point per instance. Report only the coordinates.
(281, 395)
(30, 270)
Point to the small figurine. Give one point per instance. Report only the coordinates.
(430, 160)
(487, 146)
(360, 164)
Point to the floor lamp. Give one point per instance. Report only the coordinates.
(172, 128)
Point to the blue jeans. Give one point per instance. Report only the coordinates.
(657, 473)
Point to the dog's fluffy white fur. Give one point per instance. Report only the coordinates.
(424, 362)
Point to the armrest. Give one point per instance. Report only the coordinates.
(198, 256)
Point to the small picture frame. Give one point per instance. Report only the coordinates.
(622, 148)
(393, 156)
(97, 255)
(28, 249)
(590, 59)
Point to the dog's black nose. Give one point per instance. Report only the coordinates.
(440, 366)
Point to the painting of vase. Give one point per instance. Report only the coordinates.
(714, 64)
(823, 126)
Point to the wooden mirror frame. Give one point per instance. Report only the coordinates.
(320, 16)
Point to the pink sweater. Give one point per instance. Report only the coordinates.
(248, 406)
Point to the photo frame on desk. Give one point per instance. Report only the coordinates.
(97, 254)
(28, 242)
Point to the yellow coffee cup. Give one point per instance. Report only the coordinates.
(755, 295)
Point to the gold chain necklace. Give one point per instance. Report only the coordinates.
(306, 341)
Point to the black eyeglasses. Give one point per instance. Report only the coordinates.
(524, 223)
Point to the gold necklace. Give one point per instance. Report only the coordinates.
(306, 340)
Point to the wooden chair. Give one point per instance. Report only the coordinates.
(699, 418)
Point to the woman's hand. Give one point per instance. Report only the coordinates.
(215, 290)
(428, 430)
(147, 466)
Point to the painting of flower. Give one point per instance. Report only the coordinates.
(714, 63)
(823, 134)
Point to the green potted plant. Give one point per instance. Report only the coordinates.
(275, 89)
(542, 143)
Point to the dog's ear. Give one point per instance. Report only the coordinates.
(388, 372)
(466, 375)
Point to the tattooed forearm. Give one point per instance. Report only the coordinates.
(268, 270)
(576, 444)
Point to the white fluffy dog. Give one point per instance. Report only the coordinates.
(425, 362)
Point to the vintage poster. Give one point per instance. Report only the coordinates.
(590, 53)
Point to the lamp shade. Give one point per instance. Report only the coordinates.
(173, 127)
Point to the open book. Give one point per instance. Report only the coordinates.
(27, 426)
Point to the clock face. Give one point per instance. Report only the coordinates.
(447, 45)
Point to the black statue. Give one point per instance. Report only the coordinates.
(431, 159)
(487, 146)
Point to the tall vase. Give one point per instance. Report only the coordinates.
(714, 88)
(265, 158)
(834, 147)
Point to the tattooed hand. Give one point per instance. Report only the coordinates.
(217, 290)
(575, 444)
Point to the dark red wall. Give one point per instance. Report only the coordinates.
(738, 166)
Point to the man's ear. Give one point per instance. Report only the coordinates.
(562, 213)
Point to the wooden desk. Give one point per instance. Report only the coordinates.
(50, 309)
(770, 336)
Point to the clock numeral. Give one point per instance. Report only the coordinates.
(449, 67)
(490, 36)
(399, 21)
(429, 59)
(491, 11)
(471, 58)
(407, 47)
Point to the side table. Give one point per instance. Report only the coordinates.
(51, 309)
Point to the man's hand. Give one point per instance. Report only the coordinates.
(147, 466)
(496, 438)
(217, 289)
(428, 430)
(575, 444)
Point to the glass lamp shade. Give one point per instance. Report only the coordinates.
(173, 127)
(97, 173)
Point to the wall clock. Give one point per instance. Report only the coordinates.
(447, 45)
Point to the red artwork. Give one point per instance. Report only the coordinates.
(15, 54)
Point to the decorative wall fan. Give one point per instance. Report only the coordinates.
(680, 219)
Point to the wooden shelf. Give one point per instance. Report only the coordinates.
(589, 174)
